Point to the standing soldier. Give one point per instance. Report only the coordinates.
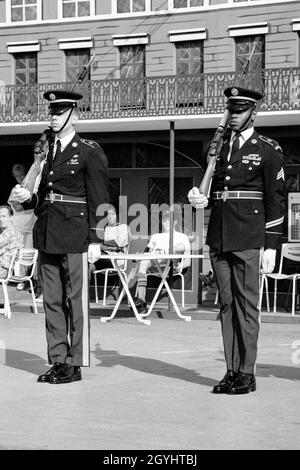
(244, 232)
(73, 184)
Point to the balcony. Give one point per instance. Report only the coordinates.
(153, 96)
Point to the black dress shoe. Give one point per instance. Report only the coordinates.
(47, 376)
(140, 304)
(66, 374)
(244, 383)
(224, 385)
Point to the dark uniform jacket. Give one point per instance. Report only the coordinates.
(81, 171)
(240, 224)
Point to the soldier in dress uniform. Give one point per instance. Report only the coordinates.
(74, 183)
(244, 232)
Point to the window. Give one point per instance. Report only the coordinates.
(188, 3)
(250, 58)
(189, 70)
(26, 75)
(26, 68)
(189, 58)
(132, 73)
(76, 8)
(24, 10)
(132, 61)
(132, 6)
(75, 60)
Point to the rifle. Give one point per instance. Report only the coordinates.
(41, 148)
(213, 154)
(217, 142)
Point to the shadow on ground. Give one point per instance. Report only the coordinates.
(22, 360)
(111, 358)
(34, 364)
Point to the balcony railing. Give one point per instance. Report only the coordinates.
(154, 96)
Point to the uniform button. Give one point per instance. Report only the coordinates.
(225, 188)
(81, 213)
(250, 168)
(72, 172)
(50, 184)
(227, 178)
(51, 172)
(229, 167)
(256, 211)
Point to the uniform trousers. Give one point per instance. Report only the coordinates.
(237, 276)
(66, 303)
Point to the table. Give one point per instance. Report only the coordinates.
(162, 270)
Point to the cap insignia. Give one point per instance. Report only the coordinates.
(52, 97)
(234, 92)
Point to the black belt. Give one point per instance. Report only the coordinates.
(237, 195)
(63, 198)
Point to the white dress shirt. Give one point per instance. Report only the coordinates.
(243, 136)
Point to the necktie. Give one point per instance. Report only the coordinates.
(50, 156)
(235, 145)
(58, 150)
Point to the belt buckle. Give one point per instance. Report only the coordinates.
(51, 197)
(225, 195)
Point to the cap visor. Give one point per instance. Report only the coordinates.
(59, 110)
(239, 107)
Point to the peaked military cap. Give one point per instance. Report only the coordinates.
(241, 99)
(61, 100)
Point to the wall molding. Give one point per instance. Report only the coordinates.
(187, 35)
(23, 46)
(249, 29)
(75, 43)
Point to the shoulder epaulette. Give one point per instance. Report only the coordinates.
(90, 143)
(271, 142)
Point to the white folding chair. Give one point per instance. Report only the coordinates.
(289, 251)
(27, 258)
(110, 272)
(4, 282)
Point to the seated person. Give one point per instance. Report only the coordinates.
(10, 239)
(115, 239)
(159, 242)
(23, 220)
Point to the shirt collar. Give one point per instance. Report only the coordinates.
(65, 140)
(245, 135)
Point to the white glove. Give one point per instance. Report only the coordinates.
(94, 252)
(268, 261)
(198, 200)
(20, 194)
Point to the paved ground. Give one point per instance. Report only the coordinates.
(148, 388)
